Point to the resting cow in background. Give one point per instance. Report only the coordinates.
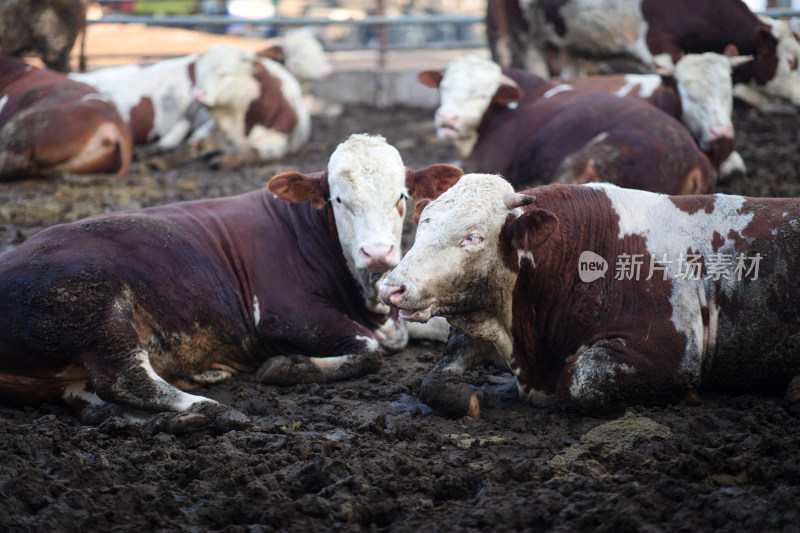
(606, 296)
(689, 26)
(565, 38)
(48, 27)
(256, 104)
(697, 90)
(574, 35)
(130, 309)
(49, 123)
(532, 131)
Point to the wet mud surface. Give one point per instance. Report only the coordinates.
(365, 454)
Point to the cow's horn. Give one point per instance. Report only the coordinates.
(735, 61)
(507, 80)
(513, 200)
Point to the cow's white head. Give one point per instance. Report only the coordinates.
(366, 185)
(469, 85)
(224, 78)
(462, 263)
(302, 54)
(706, 92)
(785, 84)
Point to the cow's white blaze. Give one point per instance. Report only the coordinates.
(456, 242)
(706, 91)
(367, 181)
(465, 93)
(646, 214)
(785, 84)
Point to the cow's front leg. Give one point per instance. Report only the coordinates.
(392, 335)
(443, 388)
(364, 357)
(611, 373)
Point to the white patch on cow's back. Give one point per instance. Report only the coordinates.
(557, 89)
(671, 231)
(647, 83)
(166, 83)
(3, 102)
(256, 310)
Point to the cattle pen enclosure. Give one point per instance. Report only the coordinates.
(366, 454)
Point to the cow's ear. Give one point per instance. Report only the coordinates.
(530, 230)
(431, 181)
(274, 52)
(766, 43)
(508, 92)
(418, 207)
(430, 78)
(297, 187)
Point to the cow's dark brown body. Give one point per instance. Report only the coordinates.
(185, 282)
(51, 123)
(580, 137)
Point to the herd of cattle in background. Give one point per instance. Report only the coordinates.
(80, 300)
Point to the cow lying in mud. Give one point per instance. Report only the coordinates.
(532, 131)
(604, 296)
(131, 309)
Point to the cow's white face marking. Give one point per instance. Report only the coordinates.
(465, 93)
(224, 77)
(646, 214)
(647, 84)
(256, 310)
(706, 92)
(305, 56)
(367, 181)
(166, 83)
(557, 89)
(785, 84)
(454, 252)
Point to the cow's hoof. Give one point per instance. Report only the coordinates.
(392, 335)
(225, 418)
(288, 370)
(793, 396)
(179, 423)
(449, 397)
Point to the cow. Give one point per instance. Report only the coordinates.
(533, 131)
(227, 98)
(48, 27)
(565, 33)
(566, 38)
(49, 124)
(128, 310)
(697, 90)
(597, 296)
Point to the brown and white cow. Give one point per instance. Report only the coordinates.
(604, 296)
(697, 90)
(573, 37)
(534, 131)
(49, 123)
(133, 308)
(256, 104)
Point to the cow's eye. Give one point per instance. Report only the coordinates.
(471, 240)
(338, 200)
(792, 63)
(401, 205)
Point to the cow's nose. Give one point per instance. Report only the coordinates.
(199, 95)
(446, 119)
(721, 132)
(378, 256)
(392, 294)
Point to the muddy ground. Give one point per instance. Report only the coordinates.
(366, 454)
